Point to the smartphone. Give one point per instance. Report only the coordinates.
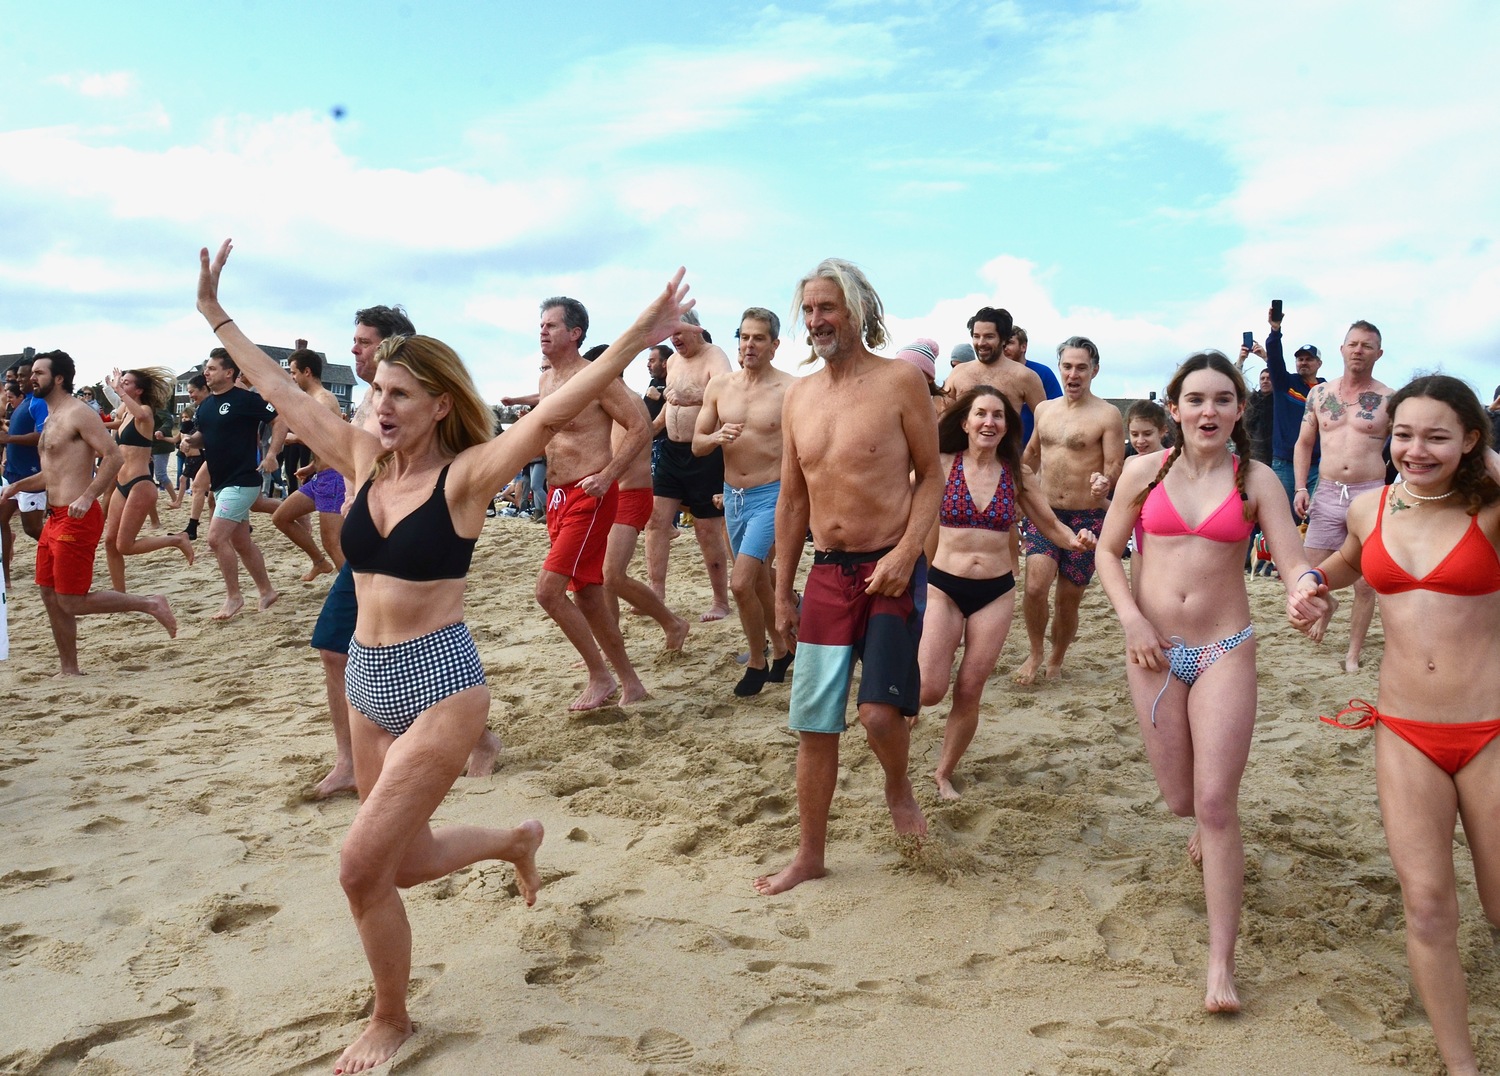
(1275, 309)
(1249, 340)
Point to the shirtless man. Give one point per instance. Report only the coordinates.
(989, 331)
(1078, 449)
(682, 478)
(631, 517)
(582, 502)
(1348, 418)
(741, 414)
(71, 440)
(322, 491)
(859, 463)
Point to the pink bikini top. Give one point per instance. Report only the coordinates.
(1226, 523)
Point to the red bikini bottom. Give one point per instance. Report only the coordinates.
(1451, 745)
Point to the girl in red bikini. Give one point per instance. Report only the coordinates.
(1427, 544)
(1189, 643)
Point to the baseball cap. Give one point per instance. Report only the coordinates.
(1307, 349)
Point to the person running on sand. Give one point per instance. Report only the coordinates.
(1189, 644)
(71, 440)
(1430, 547)
(859, 465)
(322, 488)
(142, 393)
(971, 582)
(414, 674)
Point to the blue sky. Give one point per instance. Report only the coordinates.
(1148, 174)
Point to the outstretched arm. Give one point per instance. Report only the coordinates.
(336, 442)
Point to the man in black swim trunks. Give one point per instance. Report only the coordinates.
(682, 478)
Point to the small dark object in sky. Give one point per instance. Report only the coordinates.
(337, 112)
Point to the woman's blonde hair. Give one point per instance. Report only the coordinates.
(439, 371)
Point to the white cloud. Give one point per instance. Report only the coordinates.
(109, 84)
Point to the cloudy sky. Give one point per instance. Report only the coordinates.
(1149, 174)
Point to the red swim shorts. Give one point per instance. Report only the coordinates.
(65, 551)
(578, 526)
(635, 507)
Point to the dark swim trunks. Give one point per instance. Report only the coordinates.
(1076, 568)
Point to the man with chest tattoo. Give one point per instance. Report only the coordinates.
(1348, 419)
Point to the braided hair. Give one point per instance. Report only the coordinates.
(1215, 361)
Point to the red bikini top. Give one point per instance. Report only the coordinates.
(1471, 568)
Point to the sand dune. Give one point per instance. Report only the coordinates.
(169, 898)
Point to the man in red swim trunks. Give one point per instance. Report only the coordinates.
(582, 499)
(73, 437)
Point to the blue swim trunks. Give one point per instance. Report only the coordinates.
(751, 517)
(841, 622)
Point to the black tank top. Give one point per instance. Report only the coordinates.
(421, 547)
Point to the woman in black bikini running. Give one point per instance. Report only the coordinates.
(142, 393)
(424, 483)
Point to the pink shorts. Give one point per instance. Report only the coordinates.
(65, 551)
(578, 526)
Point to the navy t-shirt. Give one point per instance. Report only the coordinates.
(21, 461)
(230, 425)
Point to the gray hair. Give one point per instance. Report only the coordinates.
(860, 300)
(1083, 343)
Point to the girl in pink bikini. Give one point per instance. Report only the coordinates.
(1428, 545)
(1190, 647)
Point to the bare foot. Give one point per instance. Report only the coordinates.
(906, 815)
(633, 692)
(716, 611)
(323, 566)
(482, 757)
(1054, 669)
(230, 609)
(157, 606)
(375, 1046)
(1195, 849)
(184, 543)
(677, 634)
(1026, 674)
(528, 878)
(945, 787)
(268, 600)
(339, 779)
(1221, 995)
(793, 874)
(65, 674)
(1351, 662)
(595, 694)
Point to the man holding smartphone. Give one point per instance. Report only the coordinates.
(1289, 403)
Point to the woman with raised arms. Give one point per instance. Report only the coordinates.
(424, 482)
(1190, 647)
(971, 580)
(1430, 546)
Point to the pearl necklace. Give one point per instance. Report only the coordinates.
(1397, 504)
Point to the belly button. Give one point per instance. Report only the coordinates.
(1431, 667)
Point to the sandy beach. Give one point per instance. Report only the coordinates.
(169, 897)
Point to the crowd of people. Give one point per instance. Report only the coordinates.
(922, 503)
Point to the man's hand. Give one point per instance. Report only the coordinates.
(729, 433)
(593, 486)
(1272, 319)
(270, 464)
(892, 575)
(1098, 484)
(1301, 501)
(80, 508)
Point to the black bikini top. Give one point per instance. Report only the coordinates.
(421, 547)
(129, 436)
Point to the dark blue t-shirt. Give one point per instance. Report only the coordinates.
(230, 425)
(1050, 386)
(1289, 401)
(22, 461)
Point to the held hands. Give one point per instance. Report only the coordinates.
(1310, 606)
(1098, 484)
(729, 433)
